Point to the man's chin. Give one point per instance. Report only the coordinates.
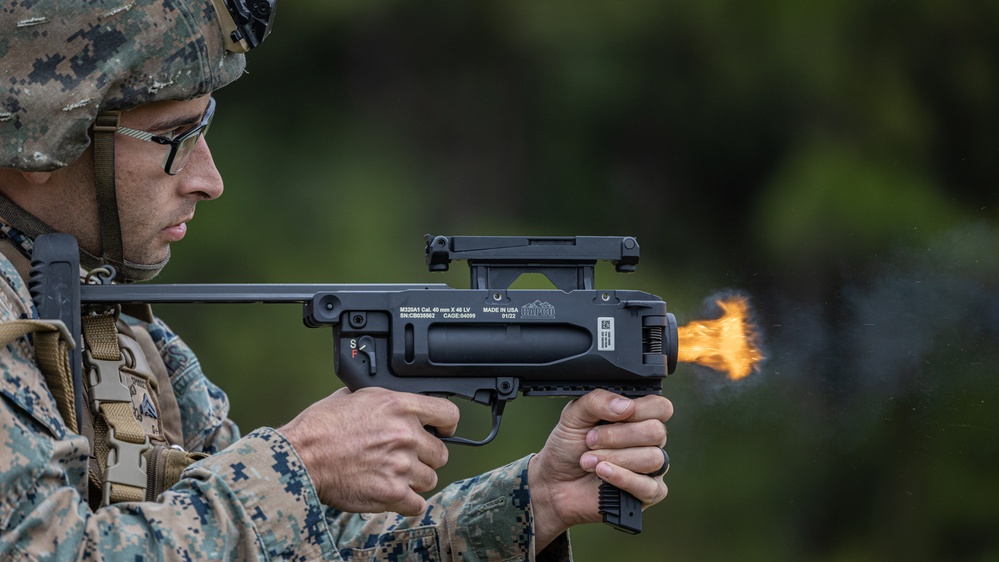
(146, 269)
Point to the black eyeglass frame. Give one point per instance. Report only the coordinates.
(172, 165)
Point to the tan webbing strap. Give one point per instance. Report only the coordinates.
(124, 466)
(52, 345)
(105, 127)
(165, 465)
(128, 467)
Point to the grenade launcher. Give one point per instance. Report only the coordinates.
(486, 344)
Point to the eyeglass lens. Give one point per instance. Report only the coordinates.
(185, 148)
(186, 143)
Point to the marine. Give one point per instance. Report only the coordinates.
(104, 108)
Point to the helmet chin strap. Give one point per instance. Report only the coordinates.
(112, 248)
(127, 272)
(31, 226)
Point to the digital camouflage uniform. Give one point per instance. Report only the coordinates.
(61, 63)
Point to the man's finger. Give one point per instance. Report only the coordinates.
(627, 434)
(648, 489)
(433, 453)
(640, 460)
(438, 413)
(597, 406)
(652, 407)
(412, 504)
(424, 479)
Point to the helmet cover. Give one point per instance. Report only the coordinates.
(62, 62)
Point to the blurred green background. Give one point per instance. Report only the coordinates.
(836, 161)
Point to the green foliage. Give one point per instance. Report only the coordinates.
(827, 205)
(837, 160)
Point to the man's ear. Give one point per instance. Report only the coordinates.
(36, 178)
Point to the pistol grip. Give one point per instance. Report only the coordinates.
(620, 509)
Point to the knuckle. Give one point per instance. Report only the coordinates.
(442, 456)
(396, 492)
(668, 409)
(661, 434)
(395, 402)
(403, 434)
(596, 399)
(605, 437)
(663, 491)
(660, 492)
(431, 482)
(655, 459)
(415, 507)
(453, 412)
(394, 436)
(396, 465)
(655, 431)
(656, 493)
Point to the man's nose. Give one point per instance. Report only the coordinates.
(200, 175)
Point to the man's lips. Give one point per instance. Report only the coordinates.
(176, 232)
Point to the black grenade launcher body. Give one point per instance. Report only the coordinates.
(486, 344)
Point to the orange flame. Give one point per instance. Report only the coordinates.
(728, 344)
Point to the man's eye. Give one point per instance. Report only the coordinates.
(177, 131)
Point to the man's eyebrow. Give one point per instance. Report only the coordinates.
(169, 124)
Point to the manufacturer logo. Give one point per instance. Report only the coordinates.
(537, 309)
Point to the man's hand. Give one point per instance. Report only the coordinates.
(368, 451)
(565, 476)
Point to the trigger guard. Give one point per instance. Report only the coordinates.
(497, 415)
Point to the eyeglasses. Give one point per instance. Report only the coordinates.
(182, 145)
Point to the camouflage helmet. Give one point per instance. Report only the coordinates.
(63, 62)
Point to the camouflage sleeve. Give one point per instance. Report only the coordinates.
(488, 517)
(204, 407)
(251, 501)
